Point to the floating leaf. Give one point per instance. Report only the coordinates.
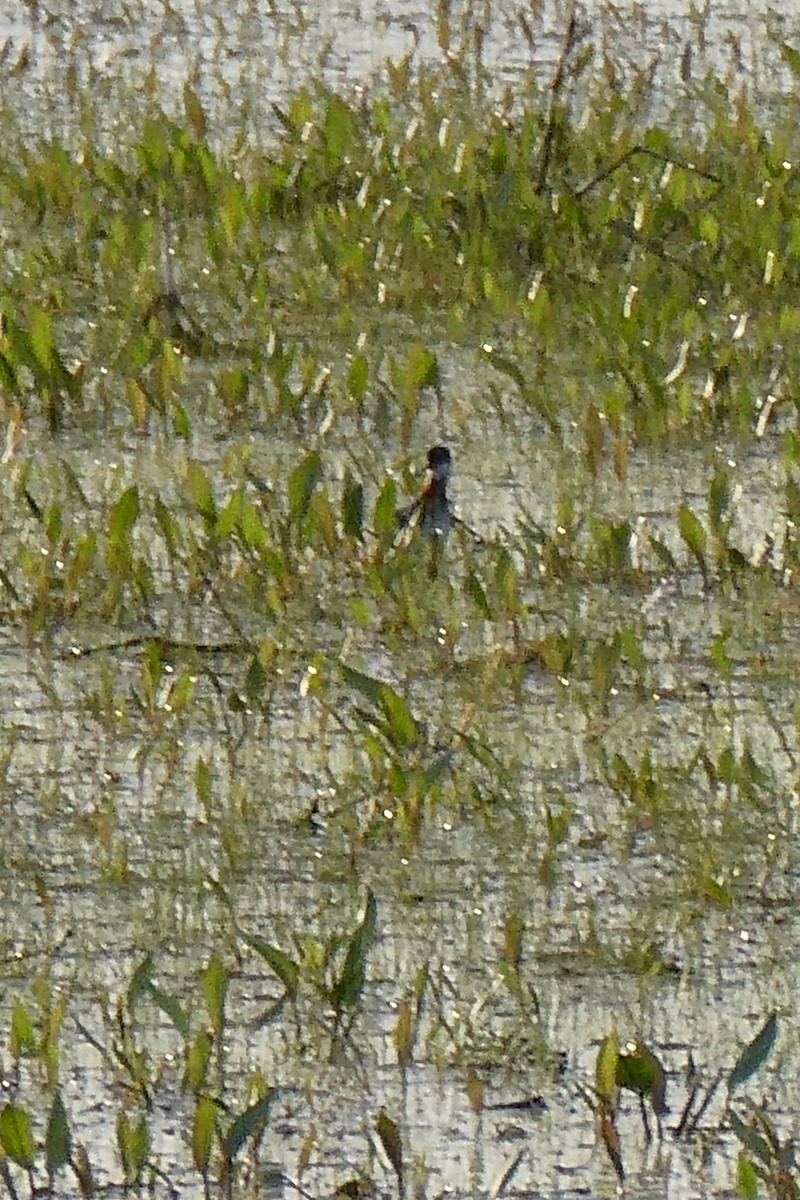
(384, 518)
(791, 57)
(202, 782)
(229, 515)
(475, 1090)
(255, 680)
(421, 368)
(167, 524)
(83, 1172)
(755, 1053)
(663, 553)
(610, 1136)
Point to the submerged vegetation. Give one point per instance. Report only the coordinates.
(221, 361)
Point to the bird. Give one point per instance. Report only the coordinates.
(431, 511)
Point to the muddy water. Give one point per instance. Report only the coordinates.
(106, 814)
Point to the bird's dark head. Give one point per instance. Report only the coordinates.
(440, 463)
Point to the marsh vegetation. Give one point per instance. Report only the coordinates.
(325, 867)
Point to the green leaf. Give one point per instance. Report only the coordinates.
(746, 1178)
(666, 558)
(792, 58)
(605, 1071)
(201, 492)
(751, 1139)
(58, 1144)
(40, 335)
(248, 1125)
(171, 1008)
(22, 1038)
(252, 528)
(385, 515)
(285, 968)
(124, 515)
(215, 986)
(16, 1137)
(338, 128)
(641, 1071)
(180, 422)
(719, 499)
(755, 1053)
(193, 107)
(474, 589)
(691, 530)
(229, 515)
(369, 687)
(198, 1056)
(203, 1129)
(133, 1142)
(202, 782)
(167, 524)
(401, 728)
(389, 1134)
(357, 378)
(421, 368)
(255, 680)
(140, 981)
(353, 507)
(347, 990)
(303, 482)
(507, 367)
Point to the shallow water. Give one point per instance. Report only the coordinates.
(109, 818)
(109, 845)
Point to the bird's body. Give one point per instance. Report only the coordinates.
(432, 507)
